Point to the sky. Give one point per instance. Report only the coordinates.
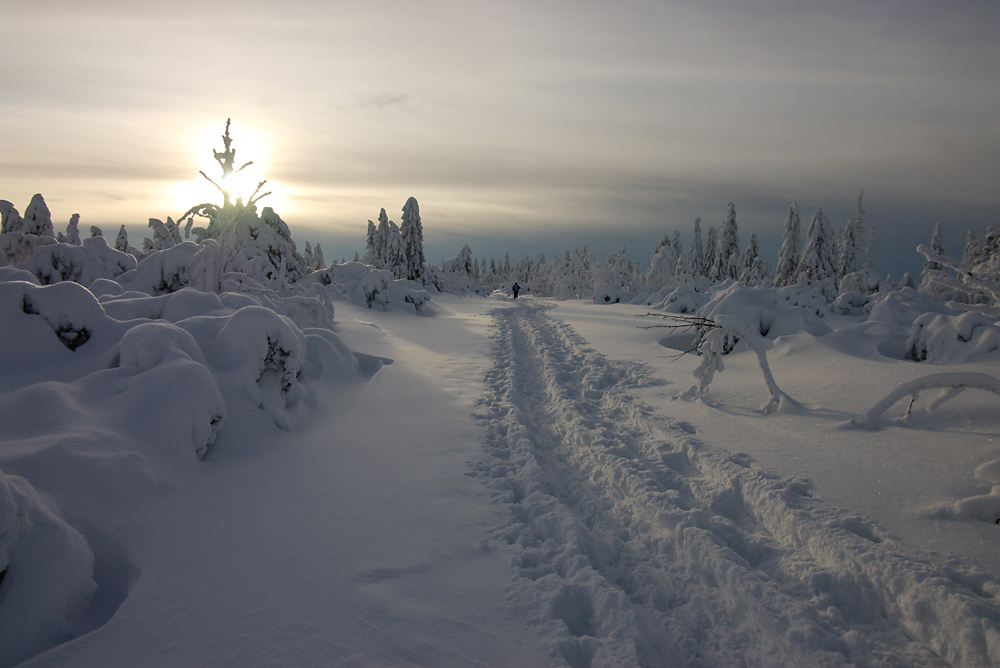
(521, 126)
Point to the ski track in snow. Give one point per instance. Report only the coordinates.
(633, 543)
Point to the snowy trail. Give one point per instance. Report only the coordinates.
(633, 543)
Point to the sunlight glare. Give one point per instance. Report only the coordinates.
(249, 146)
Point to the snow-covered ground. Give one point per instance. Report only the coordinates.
(499, 483)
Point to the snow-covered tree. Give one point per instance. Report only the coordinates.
(971, 248)
(95, 231)
(753, 268)
(161, 235)
(319, 262)
(696, 256)
(10, 219)
(662, 268)
(932, 268)
(816, 265)
(37, 219)
(370, 243)
(711, 250)
(848, 247)
(412, 232)
(726, 264)
(73, 230)
(307, 255)
(790, 252)
(679, 249)
(121, 242)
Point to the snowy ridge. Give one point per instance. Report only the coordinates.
(633, 543)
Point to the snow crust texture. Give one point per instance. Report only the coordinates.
(633, 543)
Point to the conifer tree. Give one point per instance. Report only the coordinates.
(816, 266)
(696, 256)
(121, 242)
(711, 250)
(790, 253)
(37, 219)
(726, 265)
(319, 262)
(412, 231)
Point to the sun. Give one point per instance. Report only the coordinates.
(248, 146)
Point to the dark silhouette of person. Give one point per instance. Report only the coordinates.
(514, 288)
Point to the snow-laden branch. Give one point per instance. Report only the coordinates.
(952, 384)
(965, 279)
(718, 335)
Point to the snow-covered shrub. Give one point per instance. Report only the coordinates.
(171, 358)
(166, 271)
(768, 311)
(903, 306)
(952, 338)
(456, 276)
(687, 298)
(610, 294)
(851, 304)
(47, 573)
(69, 309)
(257, 350)
(366, 286)
(82, 264)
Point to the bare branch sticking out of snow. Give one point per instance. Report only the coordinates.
(952, 384)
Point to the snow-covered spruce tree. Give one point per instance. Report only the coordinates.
(370, 243)
(679, 249)
(307, 255)
(412, 232)
(162, 239)
(121, 241)
(711, 250)
(662, 268)
(848, 248)
(696, 256)
(10, 219)
(753, 268)
(22, 236)
(790, 252)
(240, 247)
(726, 264)
(37, 219)
(95, 231)
(73, 230)
(816, 266)
(933, 270)
(971, 247)
(319, 262)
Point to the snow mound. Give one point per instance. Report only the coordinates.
(903, 306)
(948, 339)
(771, 312)
(685, 299)
(984, 508)
(46, 573)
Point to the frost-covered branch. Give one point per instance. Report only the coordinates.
(965, 279)
(952, 384)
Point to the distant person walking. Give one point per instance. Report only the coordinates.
(515, 288)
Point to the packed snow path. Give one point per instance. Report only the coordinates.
(633, 543)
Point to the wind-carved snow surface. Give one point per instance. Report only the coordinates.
(633, 543)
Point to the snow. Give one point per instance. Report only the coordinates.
(237, 479)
